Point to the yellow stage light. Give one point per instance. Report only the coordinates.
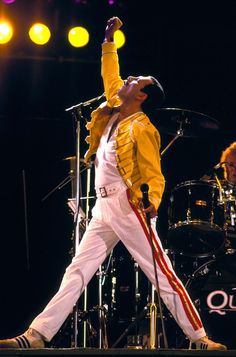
(6, 32)
(39, 34)
(119, 38)
(78, 36)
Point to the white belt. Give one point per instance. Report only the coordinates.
(107, 190)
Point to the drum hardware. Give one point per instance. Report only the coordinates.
(202, 270)
(87, 317)
(142, 341)
(227, 199)
(185, 266)
(232, 215)
(61, 184)
(230, 203)
(220, 200)
(133, 324)
(137, 341)
(125, 296)
(102, 308)
(151, 338)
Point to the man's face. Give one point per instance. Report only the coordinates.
(231, 168)
(132, 86)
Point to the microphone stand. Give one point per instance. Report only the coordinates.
(77, 115)
(89, 103)
(76, 112)
(153, 308)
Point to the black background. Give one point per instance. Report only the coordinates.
(188, 46)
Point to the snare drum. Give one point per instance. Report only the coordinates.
(196, 219)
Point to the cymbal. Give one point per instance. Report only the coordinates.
(69, 158)
(72, 158)
(189, 122)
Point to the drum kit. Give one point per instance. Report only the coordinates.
(201, 242)
(201, 236)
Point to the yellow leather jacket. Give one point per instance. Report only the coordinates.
(137, 140)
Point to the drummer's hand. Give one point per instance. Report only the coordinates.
(113, 24)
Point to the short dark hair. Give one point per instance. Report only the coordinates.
(155, 96)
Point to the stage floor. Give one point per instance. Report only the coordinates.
(93, 352)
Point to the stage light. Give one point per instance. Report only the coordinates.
(6, 32)
(80, 2)
(39, 34)
(119, 38)
(8, 1)
(78, 36)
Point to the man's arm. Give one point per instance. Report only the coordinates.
(113, 24)
(110, 70)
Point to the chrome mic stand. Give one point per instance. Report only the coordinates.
(153, 307)
(76, 112)
(77, 115)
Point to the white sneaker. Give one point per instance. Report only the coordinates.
(205, 343)
(29, 339)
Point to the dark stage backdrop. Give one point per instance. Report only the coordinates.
(189, 46)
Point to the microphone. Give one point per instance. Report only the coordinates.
(87, 103)
(144, 189)
(209, 173)
(217, 166)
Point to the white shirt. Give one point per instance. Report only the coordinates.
(106, 171)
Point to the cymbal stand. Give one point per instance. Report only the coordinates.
(102, 338)
(179, 133)
(221, 200)
(61, 184)
(231, 204)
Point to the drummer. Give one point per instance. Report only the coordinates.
(228, 162)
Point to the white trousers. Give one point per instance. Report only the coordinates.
(115, 218)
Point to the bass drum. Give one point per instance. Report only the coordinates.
(196, 219)
(213, 290)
